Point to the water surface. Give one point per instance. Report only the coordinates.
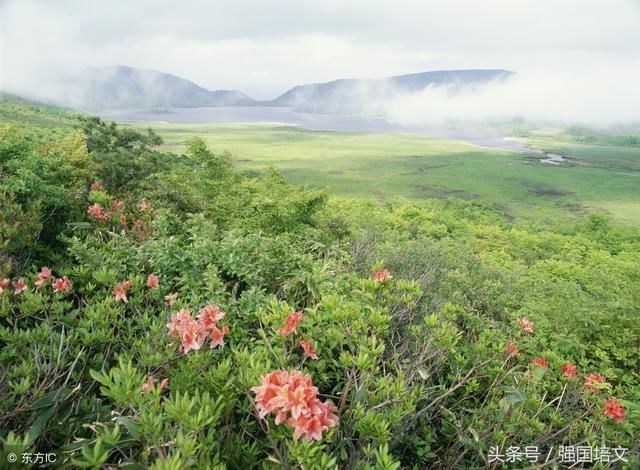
(313, 122)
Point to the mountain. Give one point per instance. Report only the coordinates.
(354, 95)
(122, 87)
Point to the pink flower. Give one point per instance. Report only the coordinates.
(209, 315)
(382, 275)
(594, 382)
(144, 206)
(525, 324)
(293, 319)
(4, 283)
(19, 286)
(152, 281)
(292, 394)
(511, 349)
(120, 291)
(540, 362)
(569, 370)
(148, 385)
(177, 321)
(217, 336)
(117, 205)
(294, 399)
(96, 187)
(171, 298)
(98, 212)
(614, 410)
(62, 284)
(309, 350)
(194, 332)
(43, 277)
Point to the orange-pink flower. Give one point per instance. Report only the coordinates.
(290, 325)
(4, 283)
(144, 206)
(62, 284)
(43, 277)
(117, 205)
(152, 281)
(569, 370)
(217, 336)
(148, 385)
(309, 350)
(511, 349)
(525, 324)
(614, 410)
(19, 286)
(294, 399)
(120, 291)
(540, 362)
(382, 275)
(98, 212)
(171, 298)
(96, 186)
(193, 332)
(594, 382)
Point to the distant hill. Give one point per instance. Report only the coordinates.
(122, 87)
(354, 95)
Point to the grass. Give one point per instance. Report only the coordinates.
(598, 178)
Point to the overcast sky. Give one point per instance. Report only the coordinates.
(264, 47)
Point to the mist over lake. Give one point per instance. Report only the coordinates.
(309, 121)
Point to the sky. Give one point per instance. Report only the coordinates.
(265, 47)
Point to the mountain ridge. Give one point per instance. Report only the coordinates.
(125, 87)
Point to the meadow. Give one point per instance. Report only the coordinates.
(596, 177)
(181, 310)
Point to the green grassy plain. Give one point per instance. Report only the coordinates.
(597, 178)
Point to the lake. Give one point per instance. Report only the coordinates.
(313, 122)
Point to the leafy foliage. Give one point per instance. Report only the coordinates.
(404, 310)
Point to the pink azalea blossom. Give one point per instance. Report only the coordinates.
(382, 275)
(171, 298)
(292, 397)
(43, 277)
(62, 284)
(152, 281)
(293, 319)
(309, 350)
(4, 283)
(19, 286)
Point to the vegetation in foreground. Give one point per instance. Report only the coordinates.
(162, 310)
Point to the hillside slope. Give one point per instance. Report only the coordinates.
(122, 87)
(353, 95)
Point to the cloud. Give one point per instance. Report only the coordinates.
(263, 48)
(593, 97)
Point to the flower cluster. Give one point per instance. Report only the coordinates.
(614, 410)
(309, 350)
(593, 382)
(382, 275)
(526, 325)
(540, 362)
(120, 291)
(152, 281)
(290, 325)
(148, 385)
(45, 276)
(97, 186)
(98, 212)
(193, 332)
(294, 400)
